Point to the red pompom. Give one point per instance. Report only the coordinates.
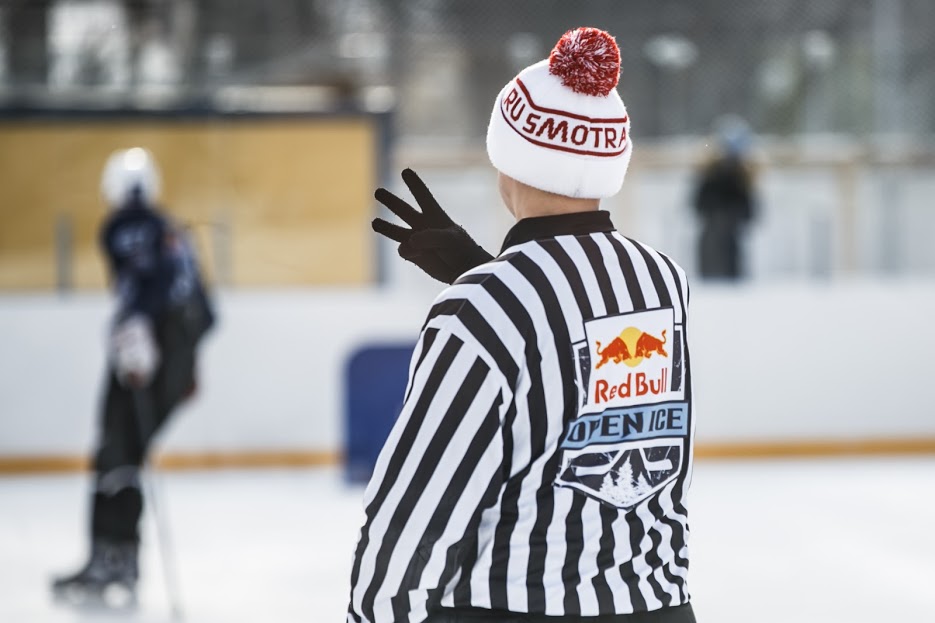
(587, 60)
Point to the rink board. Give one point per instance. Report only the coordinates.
(822, 376)
(272, 200)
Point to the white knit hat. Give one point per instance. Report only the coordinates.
(560, 125)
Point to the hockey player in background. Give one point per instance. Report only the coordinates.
(540, 466)
(162, 312)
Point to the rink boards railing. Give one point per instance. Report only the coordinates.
(827, 207)
(779, 370)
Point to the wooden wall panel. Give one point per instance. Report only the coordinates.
(290, 197)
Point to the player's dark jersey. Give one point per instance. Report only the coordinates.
(152, 265)
(134, 241)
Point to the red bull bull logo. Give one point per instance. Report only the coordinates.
(631, 347)
(648, 345)
(616, 351)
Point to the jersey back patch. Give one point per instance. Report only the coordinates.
(629, 438)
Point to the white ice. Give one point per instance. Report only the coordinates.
(802, 541)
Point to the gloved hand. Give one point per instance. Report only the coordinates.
(435, 243)
(133, 351)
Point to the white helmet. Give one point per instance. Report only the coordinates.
(128, 171)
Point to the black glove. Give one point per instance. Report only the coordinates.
(436, 244)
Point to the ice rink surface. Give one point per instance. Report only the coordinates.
(799, 541)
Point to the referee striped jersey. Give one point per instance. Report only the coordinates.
(544, 450)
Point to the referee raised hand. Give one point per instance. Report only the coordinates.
(433, 242)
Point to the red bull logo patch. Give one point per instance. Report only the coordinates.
(630, 358)
(628, 441)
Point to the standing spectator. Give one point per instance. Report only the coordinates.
(725, 202)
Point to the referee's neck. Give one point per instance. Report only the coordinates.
(553, 208)
(524, 201)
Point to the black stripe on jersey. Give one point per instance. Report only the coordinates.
(675, 526)
(445, 509)
(652, 554)
(509, 506)
(665, 299)
(480, 276)
(448, 354)
(507, 433)
(629, 274)
(679, 538)
(676, 281)
(472, 278)
(671, 578)
(468, 555)
(611, 306)
(427, 340)
(534, 274)
(605, 560)
(596, 260)
(678, 530)
(574, 539)
(605, 556)
(635, 526)
(481, 330)
(462, 590)
(423, 473)
(636, 530)
(568, 268)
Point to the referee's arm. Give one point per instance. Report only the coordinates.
(440, 468)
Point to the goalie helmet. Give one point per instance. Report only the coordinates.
(130, 175)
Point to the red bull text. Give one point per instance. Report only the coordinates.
(635, 384)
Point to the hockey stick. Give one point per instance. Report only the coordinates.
(146, 426)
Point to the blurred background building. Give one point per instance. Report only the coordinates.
(854, 68)
(837, 93)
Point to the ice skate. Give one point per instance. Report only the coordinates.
(107, 581)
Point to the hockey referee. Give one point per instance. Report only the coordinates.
(540, 465)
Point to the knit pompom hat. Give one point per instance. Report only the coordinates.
(560, 125)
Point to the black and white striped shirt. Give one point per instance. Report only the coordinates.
(544, 451)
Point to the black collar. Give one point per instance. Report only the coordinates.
(574, 224)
